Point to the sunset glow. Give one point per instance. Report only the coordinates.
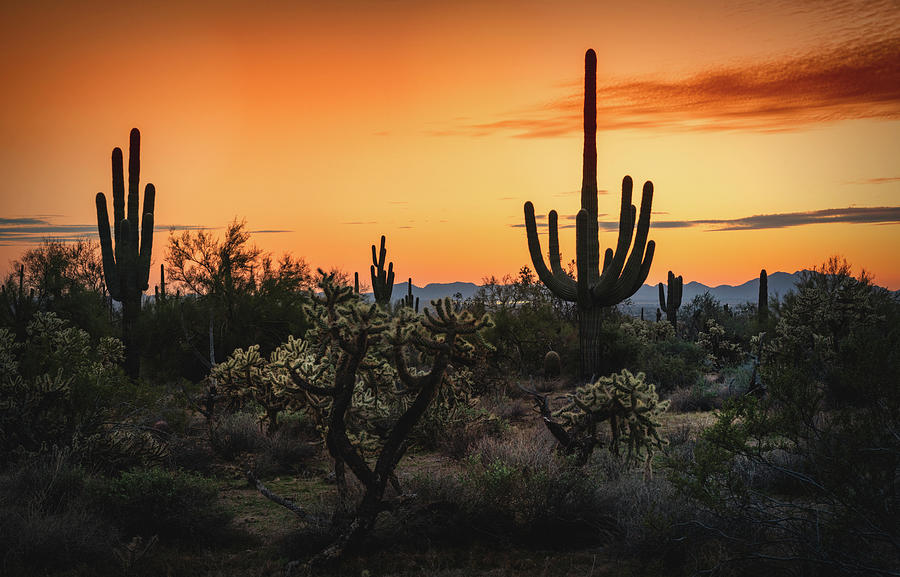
(771, 129)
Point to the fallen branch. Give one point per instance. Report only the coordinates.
(286, 503)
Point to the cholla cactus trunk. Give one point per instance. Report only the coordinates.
(671, 304)
(763, 296)
(623, 272)
(126, 268)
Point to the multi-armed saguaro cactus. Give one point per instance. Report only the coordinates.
(763, 296)
(409, 301)
(382, 280)
(620, 278)
(126, 268)
(670, 305)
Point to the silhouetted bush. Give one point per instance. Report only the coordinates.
(518, 490)
(46, 521)
(235, 434)
(176, 506)
(805, 477)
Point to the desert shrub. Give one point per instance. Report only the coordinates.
(189, 454)
(529, 321)
(703, 395)
(653, 349)
(671, 363)
(236, 433)
(58, 388)
(720, 350)
(692, 398)
(176, 506)
(283, 452)
(46, 522)
(517, 490)
(805, 478)
(455, 420)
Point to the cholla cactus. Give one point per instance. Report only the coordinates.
(720, 350)
(367, 406)
(648, 332)
(627, 402)
(246, 376)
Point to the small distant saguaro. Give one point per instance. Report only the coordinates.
(763, 296)
(670, 305)
(382, 280)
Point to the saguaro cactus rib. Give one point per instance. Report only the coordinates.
(624, 269)
(126, 266)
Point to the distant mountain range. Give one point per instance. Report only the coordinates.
(647, 296)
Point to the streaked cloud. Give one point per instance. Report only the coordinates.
(858, 215)
(850, 81)
(882, 180)
(33, 230)
(880, 215)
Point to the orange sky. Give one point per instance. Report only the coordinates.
(433, 123)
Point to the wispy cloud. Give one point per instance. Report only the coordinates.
(882, 180)
(857, 215)
(32, 230)
(851, 81)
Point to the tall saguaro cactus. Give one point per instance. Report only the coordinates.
(670, 305)
(382, 280)
(763, 296)
(622, 274)
(126, 268)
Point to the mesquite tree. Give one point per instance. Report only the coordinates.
(126, 267)
(619, 279)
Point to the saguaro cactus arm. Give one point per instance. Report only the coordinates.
(557, 281)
